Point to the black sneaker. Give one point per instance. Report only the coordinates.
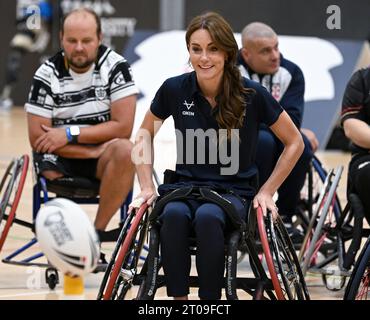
(108, 236)
(102, 259)
(102, 264)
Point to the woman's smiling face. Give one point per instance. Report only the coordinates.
(206, 58)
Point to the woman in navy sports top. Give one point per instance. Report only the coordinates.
(216, 114)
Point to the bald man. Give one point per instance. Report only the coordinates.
(80, 114)
(260, 60)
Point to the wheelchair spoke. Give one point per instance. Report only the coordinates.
(363, 293)
(287, 266)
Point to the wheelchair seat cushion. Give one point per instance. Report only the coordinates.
(74, 187)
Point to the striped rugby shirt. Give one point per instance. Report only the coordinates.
(84, 99)
(286, 85)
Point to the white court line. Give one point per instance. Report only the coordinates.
(29, 294)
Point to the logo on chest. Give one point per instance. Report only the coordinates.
(276, 91)
(188, 107)
(100, 93)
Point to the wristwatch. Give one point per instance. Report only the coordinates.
(75, 132)
(72, 133)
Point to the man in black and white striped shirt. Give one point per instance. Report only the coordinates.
(80, 113)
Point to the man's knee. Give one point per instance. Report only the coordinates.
(121, 150)
(307, 153)
(266, 141)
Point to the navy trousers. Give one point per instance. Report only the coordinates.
(207, 223)
(269, 149)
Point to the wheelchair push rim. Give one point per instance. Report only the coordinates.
(277, 247)
(125, 247)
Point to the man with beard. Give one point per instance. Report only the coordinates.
(80, 113)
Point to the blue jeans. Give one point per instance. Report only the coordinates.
(207, 222)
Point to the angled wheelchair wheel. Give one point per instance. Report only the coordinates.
(11, 188)
(320, 234)
(358, 287)
(310, 195)
(120, 273)
(289, 270)
(282, 262)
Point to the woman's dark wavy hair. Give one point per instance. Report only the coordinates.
(231, 99)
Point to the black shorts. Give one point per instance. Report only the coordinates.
(68, 167)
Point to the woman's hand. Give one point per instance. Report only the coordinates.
(147, 196)
(266, 202)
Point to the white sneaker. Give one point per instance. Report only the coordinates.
(6, 104)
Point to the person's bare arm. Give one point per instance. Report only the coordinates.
(46, 139)
(143, 157)
(289, 135)
(120, 125)
(358, 132)
(36, 130)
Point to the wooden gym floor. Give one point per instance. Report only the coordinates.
(19, 282)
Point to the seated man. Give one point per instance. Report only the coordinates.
(80, 113)
(260, 60)
(355, 121)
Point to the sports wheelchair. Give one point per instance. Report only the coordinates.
(328, 229)
(257, 235)
(310, 195)
(78, 189)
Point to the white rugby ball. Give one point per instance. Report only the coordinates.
(67, 237)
